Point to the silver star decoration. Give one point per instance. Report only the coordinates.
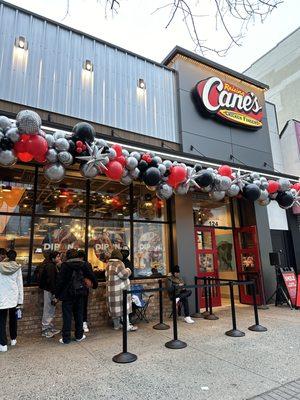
(192, 178)
(95, 158)
(240, 179)
(296, 199)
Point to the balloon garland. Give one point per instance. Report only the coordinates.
(25, 141)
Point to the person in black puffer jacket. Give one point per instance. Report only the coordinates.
(73, 280)
(47, 282)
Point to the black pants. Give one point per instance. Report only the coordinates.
(12, 325)
(85, 306)
(72, 307)
(183, 296)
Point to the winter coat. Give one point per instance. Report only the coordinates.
(63, 290)
(174, 281)
(117, 280)
(48, 279)
(11, 284)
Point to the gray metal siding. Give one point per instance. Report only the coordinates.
(49, 76)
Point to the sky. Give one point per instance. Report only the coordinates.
(138, 29)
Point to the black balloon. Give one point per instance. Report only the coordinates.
(251, 192)
(84, 132)
(284, 199)
(153, 163)
(205, 179)
(142, 166)
(151, 177)
(167, 173)
(198, 168)
(72, 148)
(6, 144)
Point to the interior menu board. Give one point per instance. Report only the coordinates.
(290, 281)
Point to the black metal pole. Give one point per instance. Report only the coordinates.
(197, 313)
(211, 316)
(256, 327)
(234, 332)
(206, 312)
(175, 343)
(161, 325)
(124, 357)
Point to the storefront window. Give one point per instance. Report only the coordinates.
(211, 213)
(150, 248)
(109, 200)
(65, 198)
(16, 190)
(104, 236)
(146, 206)
(15, 234)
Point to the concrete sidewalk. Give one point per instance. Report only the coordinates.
(213, 366)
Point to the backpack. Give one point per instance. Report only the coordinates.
(77, 286)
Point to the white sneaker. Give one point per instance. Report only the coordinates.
(85, 327)
(13, 342)
(80, 340)
(189, 320)
(132, 328)
(3, 349)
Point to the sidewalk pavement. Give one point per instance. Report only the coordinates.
(213, 366)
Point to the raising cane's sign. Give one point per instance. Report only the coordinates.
(228, 102)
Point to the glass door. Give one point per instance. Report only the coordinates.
(207, 260)
(248, 262)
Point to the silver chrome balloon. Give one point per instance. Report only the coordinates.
(13, 134)
(167, 163)
(4, 123)
(225, 183)
(135, 173)
(136, 155)
(264, 202)
(111, 154)
(164, 191)
(51, 156)
(65, 157)
(50, 140)
(89, 171)
(101, 142)
(125, 153)
(157, 159)
(126, 180)
(181, 189)
(7, 158)
(28, 122)
(217, 195)
(59, 135)
(131, 163)
(61, 144)
(284, 183)
(264, 195)
(233, 191)
(162, 168)
(55, 172)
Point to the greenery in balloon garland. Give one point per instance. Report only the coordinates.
(24, 140)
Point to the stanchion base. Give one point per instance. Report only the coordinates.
(161, 326)
(257, 328)
(211, 317)
(176, 344)
(124, 358)
(197, 315)
(235, 333)
(205, 313)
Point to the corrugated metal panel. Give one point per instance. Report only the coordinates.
(49, 75)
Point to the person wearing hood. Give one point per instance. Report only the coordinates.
(73, 280)
(117, 279)
(126, 261)
(11, 295)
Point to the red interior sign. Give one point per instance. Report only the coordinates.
(291, 284)
(229, 102)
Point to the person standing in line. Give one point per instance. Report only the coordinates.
(48, 282)
(73, 279)
(128, 264)
(82, 256)
(11, 295)
(117, 279)
(175, 282)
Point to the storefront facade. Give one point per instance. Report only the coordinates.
(227, 237)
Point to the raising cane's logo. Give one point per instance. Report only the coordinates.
(229, 102)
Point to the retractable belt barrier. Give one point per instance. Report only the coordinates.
(126, 357)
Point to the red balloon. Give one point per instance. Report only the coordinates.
(146, 157)
(225, 170)
(296, 186)
(177, 176)
(118, 149)
(121, 160)
(19, 147)
(114, 170)
(36, 145)
(41, 158)
(273, 186)
(26, 157)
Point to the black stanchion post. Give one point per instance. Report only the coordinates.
(175, 343)
(234, 332)
(197, 313)
(211, 316)
(124, 357)
(206, 312)
(256, 327)
(161, 326)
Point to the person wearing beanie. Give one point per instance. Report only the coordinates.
(117, 279)
(175, 281)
